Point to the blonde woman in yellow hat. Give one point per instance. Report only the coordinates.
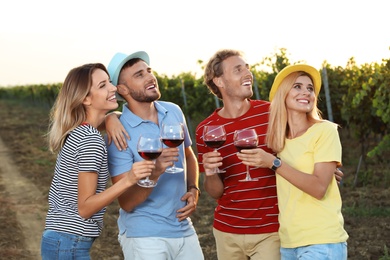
(308, 152)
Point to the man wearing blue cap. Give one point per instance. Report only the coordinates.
(154, 223)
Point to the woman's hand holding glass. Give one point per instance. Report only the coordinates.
(246, 139)
(149, 148)
(140, 170)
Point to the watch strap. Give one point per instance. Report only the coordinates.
(274, 167)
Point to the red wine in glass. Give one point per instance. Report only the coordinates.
(244, 145)
(150, 155)
(214, 136)
(246, 139)
(215, 144)
(149, 147)
(172, 142)
(172, 136)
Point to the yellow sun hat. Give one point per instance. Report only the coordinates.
(313, 72)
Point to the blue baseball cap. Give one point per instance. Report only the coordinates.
(119, 59)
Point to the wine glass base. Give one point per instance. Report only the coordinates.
(251, 179)
(173, 170)
(147, 183)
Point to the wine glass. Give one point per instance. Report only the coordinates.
(246, 139)
(172, 136)
(214, 136)
(149, 148)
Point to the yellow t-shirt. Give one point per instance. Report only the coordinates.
(305, 220)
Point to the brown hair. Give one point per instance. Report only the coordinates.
(214, 68)
(128, 64)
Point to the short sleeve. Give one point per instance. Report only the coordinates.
(328, 146)
(91, 153)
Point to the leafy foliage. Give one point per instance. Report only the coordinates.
(360, 97)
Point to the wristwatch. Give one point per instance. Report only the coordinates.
(276, 163)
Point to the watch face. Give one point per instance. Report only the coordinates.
(277, 163)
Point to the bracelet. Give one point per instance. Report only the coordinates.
(193, 187)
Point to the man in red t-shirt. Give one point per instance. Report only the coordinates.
(246, 217)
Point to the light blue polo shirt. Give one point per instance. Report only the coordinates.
(156, 216)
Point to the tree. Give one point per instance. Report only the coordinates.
(358, 110)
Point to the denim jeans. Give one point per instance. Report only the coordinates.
(337, 251)
(63, 246)
(160, 248)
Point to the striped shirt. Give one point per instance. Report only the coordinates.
(244, 207)
(83, 151)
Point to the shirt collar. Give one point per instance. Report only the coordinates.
(133, 120)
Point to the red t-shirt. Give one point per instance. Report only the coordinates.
(245, 207)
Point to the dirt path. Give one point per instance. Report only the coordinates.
(26, 200)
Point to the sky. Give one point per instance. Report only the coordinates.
(41, 40)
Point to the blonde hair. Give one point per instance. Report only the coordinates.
(278, 126)
(68, 110)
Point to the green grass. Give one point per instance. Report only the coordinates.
(366, 211)
(366, 206)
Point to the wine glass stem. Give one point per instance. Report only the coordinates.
(248, 176)
(216, 170)
(147, 177)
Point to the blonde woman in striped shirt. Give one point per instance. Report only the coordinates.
(78, 196)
